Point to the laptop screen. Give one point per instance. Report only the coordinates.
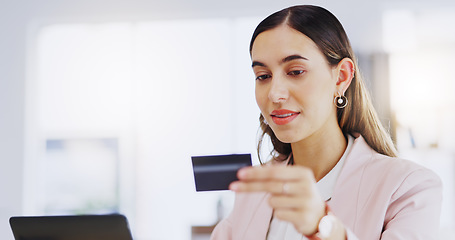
(77, 227)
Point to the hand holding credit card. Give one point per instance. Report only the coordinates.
(216, 172)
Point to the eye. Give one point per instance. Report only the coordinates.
(263, 77)
(295, 72)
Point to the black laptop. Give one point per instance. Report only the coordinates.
(75, 227)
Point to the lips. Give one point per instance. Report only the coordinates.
(283, 116)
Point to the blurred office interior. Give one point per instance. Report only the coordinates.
(103, 103)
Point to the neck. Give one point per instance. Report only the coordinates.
(320, 152)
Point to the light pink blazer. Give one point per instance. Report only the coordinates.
(376, 197)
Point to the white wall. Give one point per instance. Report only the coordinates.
(12, 82)
(362, 20)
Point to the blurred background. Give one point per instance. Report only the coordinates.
(103, 102)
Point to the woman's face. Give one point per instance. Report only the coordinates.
(295, 86)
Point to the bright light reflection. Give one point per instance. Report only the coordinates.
(166, 91)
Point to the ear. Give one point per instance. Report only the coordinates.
(345, 74)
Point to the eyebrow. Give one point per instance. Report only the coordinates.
(286, 59)
(293, 57)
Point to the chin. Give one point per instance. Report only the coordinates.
(286, 138)
(291, 135)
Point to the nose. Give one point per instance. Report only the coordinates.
(278, 92)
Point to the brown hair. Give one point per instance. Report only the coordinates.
(328, 34)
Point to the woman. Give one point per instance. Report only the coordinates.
(334, 173)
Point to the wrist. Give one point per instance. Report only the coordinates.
(326, 227)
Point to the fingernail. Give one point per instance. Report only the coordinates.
(241, 173)
(233, 186)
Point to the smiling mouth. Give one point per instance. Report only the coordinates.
(283, 116)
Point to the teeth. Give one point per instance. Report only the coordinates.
(284, 115)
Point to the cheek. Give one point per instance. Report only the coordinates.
(261, 97)
(315, 98)
(323, 104)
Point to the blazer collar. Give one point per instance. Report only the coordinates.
(345, 199)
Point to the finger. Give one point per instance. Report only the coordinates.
(274, 187)
(287, 202)
(284, 173)
(287, 214)
(296, 217)
(296, 188)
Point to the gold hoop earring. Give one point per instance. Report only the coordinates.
(340, 101)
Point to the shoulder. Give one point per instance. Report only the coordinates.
(398, 170)
(410, 192)
(399, 176)
(392, 173)
(404, 177)
(391, 188)
(363, 156)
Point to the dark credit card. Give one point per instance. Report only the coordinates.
(217, 172)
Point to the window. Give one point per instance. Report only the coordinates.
(133, 101)
(420, 56)
(80, 176)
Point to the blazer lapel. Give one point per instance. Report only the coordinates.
(345, 202)
(256, 225)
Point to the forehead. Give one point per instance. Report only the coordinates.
(283, 41)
